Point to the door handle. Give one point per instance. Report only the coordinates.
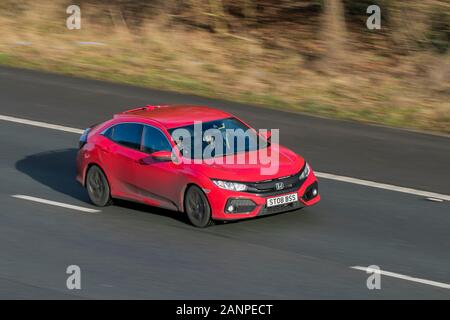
(141, 162)
(105, 150)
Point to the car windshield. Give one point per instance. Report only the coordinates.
(216, 138)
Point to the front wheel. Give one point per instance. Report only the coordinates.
(197, 207)
(98, 187)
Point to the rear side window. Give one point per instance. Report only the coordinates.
(154, 140)
(108, 133)
(126, 134)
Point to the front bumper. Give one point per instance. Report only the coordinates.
(219, 199)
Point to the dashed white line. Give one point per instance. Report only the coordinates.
(54, 203)
(385, 186)
(403, 277)
(323, 175)
(41, 124)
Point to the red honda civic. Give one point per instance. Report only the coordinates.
(193, 159)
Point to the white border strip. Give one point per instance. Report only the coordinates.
(54, 203)
(323, 175)
(403, 277)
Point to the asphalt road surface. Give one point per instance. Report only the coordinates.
(133, 251)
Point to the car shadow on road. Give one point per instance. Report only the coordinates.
(56, 169)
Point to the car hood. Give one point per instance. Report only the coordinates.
(289, 163)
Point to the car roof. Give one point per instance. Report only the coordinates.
(175, 115)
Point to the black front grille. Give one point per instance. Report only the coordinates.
(268, 188)
(278, 209)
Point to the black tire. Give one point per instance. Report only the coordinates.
(197, 207)
(98, 187)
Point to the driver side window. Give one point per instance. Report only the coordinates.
(154, 140)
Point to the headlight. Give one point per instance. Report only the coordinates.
(305, 172)
(227, 185)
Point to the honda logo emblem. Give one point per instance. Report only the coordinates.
(279, 185)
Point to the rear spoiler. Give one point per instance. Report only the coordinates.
(146, 108)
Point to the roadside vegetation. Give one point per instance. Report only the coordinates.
(312, 56)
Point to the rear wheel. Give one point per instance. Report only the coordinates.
(98, 187)
(197, 207)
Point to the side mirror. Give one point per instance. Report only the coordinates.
(162, 156)
(266, 134)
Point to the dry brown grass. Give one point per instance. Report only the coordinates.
(411, 90)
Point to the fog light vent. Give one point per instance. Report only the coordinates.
(311, 192)
(239, 206)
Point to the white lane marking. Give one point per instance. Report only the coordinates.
(385, 186)
(323, 175)
(41, 124)
(54, 203)
(401, 276)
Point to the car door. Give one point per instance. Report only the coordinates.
(120, 156)
(159, 181)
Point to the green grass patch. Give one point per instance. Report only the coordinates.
(5, 59)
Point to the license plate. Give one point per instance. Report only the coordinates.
(278, 201)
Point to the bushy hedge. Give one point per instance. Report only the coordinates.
(355, 10)
(439, 34)
(236, 13)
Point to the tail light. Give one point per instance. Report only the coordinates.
(83, 138)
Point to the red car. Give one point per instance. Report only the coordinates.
(139, 155)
